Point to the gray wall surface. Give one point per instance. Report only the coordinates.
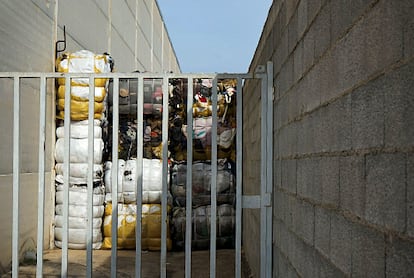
(132, 31)
(343, 138)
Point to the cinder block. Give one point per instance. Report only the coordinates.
(309, 48)
(410, 195)
(304, 221)
(293, 32)
(333, 126)
(327, 269)
(399, 106)
(377, 32)
(399, 258)
(288, 140)
(368, 116)
(286, 75)
(322, 231)
(277, 173)
(298, 62)
(352, 184)
(341, 243)
(309, 98)
(313, 9)
(368, 252)
(386, 190)
(288, 174)
(308, 181)
(302, 17)
(323, 33)
(408, 31)
(329, 167)
(343, 15)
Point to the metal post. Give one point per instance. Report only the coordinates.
(41, 183)
(269, 165)
(91, 138)
(66, 174)
(189, 179)
(16, 177)
(164, 202)
(115, 127)
(239, 167)
(213, 211)
(140, 142)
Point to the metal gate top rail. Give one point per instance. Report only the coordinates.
(262, 201)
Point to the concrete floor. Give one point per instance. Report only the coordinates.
(126, 264)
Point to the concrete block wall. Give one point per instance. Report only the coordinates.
(343, 138)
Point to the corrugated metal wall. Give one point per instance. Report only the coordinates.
(131, 30)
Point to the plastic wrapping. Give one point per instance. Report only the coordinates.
(81, 93)
(201, 183)
(78, 210)
(151, 227)
(80, 107)
(79, 150)
(84, 61)
(151, 181)
(201, 227)
(79, 131)
(78, 173)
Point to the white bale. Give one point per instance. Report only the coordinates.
(79, 150)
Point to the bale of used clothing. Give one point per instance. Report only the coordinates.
(127, 181)
(79, 103)
(78, 173)
(78, 216)
(84, 61)
(201, 183)
(127, 215)
(201, 230)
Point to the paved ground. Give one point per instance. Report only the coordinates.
(126, 264)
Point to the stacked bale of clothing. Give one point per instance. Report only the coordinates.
(201, 168)
(201, 200)
(127, 173)
(81, 62)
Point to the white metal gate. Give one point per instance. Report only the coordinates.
(262, 201)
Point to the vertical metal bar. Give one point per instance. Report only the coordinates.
(140, 142)
(263, 175)
(41, 183)
(16, 176)
(115, 165)
(239, 168)
(269, 164)
(91, 138)
(189, 178)
(213, 211)
(66, 173)
(164, 203)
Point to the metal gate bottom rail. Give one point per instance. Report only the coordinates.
(262, 201)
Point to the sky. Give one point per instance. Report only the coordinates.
(215, 35)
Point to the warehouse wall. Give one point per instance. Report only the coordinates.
(131, 30)
(343, 138)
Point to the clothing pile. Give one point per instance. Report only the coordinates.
(127, 168)
(201, 169)
(80, 62)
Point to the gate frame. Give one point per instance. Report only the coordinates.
(262, 201)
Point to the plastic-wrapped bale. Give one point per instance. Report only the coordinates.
(79, 170)
(128, 91)
(201, 182)
(202, 138)
(151, 181)
(78, 216)
(80, 104)
(201, 227)
(151, 227)
(79, 150)
(84, 61)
